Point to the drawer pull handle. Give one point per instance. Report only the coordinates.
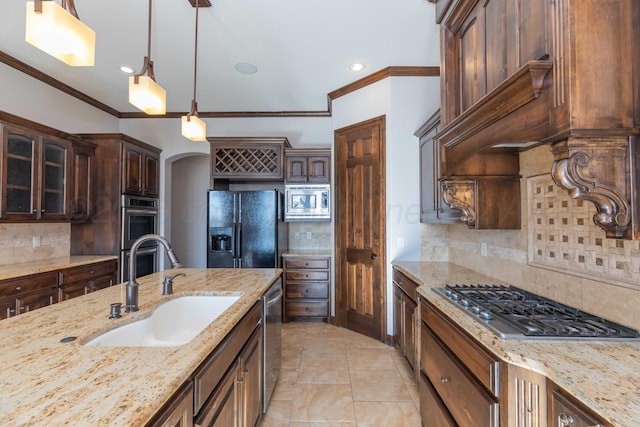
(565, 419)
(18, 288)
(444, 379)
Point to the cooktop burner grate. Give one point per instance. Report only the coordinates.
(515, 313)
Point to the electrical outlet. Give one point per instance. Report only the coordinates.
(308, 235)
(36, 241)
(483, 248)
(296, 235)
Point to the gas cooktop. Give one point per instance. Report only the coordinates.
(514, 313)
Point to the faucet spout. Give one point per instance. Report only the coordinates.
(132, 284)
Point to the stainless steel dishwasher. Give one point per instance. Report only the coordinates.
(272, 340)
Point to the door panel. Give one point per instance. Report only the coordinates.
(360, 228)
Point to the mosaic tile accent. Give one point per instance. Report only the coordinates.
(563, 237)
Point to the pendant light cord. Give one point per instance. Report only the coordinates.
(149, 34)
(195, 64)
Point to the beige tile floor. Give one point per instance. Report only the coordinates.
(334, 377)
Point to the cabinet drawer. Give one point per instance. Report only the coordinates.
(16, 287)
(480, 363)
(452, 382)
(306, 263)
(307, 290)
(308, 308)
(432, 410)
(306, 275)
(407, 285)
(209, 374)
(88, 272)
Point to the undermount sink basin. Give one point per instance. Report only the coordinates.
(173, 323)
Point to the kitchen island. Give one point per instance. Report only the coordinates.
(46, 381)
(602, 375)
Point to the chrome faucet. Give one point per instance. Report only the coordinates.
(132, 285)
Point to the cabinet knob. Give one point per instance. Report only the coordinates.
(374, 256)
(444, 379)
(18, 288)
(565, 419)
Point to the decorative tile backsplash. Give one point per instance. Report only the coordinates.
(27, 242)
(562, 237)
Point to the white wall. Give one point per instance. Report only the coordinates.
(407, 102)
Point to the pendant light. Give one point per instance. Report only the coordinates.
(60, 33)
(193, 128)
(144, 92)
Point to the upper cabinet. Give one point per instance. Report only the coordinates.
(519, 73)
(248, 158)
(36, 175)
(141, 173)
(312, 165)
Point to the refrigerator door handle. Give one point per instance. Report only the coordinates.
(239, 243)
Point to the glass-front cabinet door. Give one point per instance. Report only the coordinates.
(19, 174)
(35, 172)
(54, 199)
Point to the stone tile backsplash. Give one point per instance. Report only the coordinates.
(558, 252)
(21, 243)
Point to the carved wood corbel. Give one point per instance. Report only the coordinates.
(596, 170)
(461, 195)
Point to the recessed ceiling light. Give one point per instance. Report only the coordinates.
(126, 70)
(246, 68)
(356, 66)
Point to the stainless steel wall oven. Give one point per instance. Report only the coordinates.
(139, 217)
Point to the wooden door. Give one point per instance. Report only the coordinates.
(360, 224)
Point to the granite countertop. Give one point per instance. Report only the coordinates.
(307, 252)
(11, 271)
(45, 382)
(604, 375)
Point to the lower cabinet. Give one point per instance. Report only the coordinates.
(306, 288)
(27, 293)
(226, 389)
(463, 384)
(404, 324)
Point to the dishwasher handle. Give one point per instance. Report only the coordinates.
(273, 299)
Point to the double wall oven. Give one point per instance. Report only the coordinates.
(139, 217)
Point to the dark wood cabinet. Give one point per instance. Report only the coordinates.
(247, 158)
(312, 166)
(517, 74)
(404, 325)
(565, 411)
(306, 287)
(433, 210)
(81, 280)
(36, 173)
(83, 188)
(454, 365)
(228, 384)
(179, 411)
(28, 293)
(141, 172)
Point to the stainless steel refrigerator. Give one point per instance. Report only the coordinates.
(246, 229)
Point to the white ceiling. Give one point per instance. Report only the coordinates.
(302, 48)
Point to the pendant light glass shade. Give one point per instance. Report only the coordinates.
(60, 34)
(144, 92)
(193, 128)
(147, 95)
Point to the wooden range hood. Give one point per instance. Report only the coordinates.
(516, 74)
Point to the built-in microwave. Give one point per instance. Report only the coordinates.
(307, 202)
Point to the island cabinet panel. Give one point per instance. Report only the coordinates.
(179, 411)
(27, 293)
(306, 288)
(228, 384)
